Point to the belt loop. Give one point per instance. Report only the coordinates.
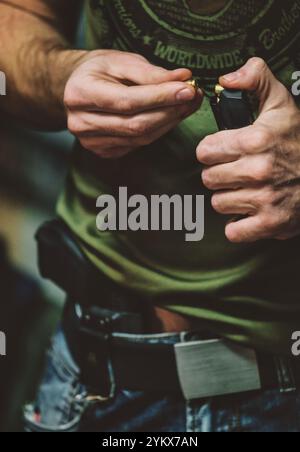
(285, 374)
(96, 360)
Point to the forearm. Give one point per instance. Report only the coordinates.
(37, 60)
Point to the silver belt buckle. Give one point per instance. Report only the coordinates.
(215, 368)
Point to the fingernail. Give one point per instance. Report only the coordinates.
(231, 77)
(185, 95)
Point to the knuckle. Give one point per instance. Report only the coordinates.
(71, 95)
(75, 125)
(266, 197)
(233, 234)
(125, 105)
(162, 98)
(259, 139)
(138, 127)
(204, 151)
(208, 179)
(68, 95)
(217, 204)
(264, 222)
(263, 170)
(270, 222)
(258, 62)
(203, 154)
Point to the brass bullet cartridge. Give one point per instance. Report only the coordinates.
(219, 89)
(193, 83)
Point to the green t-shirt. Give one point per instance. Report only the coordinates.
(249, 293)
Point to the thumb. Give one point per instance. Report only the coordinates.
(256, 76)
(151, 75)
(143, 72)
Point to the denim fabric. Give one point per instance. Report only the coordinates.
(63, 405)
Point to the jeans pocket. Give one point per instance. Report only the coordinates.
(61, 400)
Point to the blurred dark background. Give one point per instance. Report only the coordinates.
(33, 167)
(32, 172)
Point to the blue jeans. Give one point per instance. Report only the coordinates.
(63, 405)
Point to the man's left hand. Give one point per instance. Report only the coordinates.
(255, 171)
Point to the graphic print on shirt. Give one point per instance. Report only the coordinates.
(171, 34)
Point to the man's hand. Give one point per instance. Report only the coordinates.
(117, 102)
(255, 171)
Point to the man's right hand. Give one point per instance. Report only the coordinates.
(117, 102)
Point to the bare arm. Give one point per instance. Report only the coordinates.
(113, 102)
(37, 57)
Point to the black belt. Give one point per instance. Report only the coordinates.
(135, 366)
(109, 362)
